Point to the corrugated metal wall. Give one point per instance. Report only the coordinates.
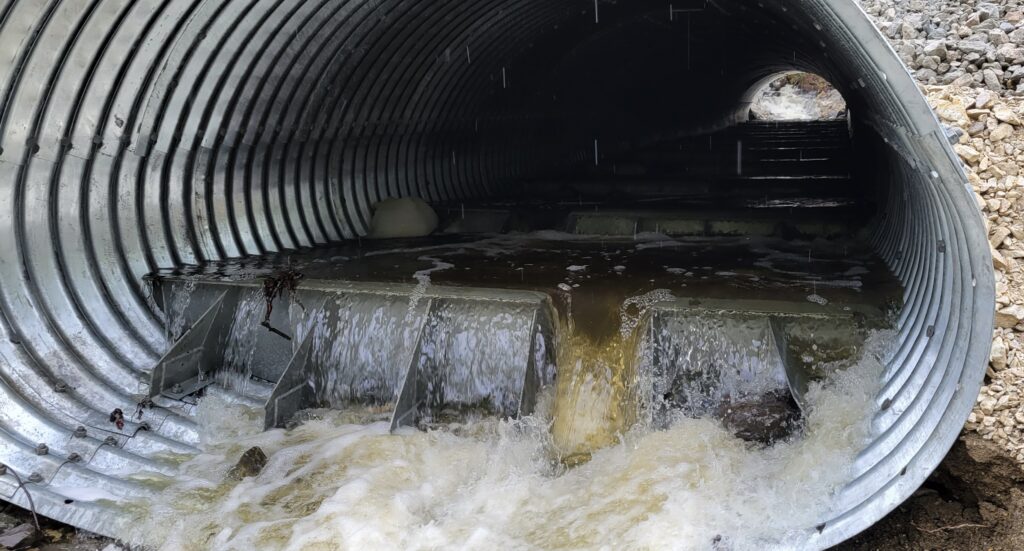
(154, 133)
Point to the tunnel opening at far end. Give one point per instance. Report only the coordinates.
(798, 96)
(595, 238)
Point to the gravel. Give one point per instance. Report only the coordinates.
(969, 60)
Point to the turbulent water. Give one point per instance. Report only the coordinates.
(790, 103)
(594, 467)
(340, 481)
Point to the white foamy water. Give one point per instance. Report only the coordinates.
(342, 482)
(178, 302)
(790, 103)
(422, 278)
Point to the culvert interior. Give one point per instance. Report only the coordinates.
(152, 135)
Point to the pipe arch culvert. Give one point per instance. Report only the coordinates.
(138, 135)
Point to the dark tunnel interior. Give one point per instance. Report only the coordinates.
(531, 93)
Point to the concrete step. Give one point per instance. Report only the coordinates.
(828, 222)
(418, 350)
(748, 363)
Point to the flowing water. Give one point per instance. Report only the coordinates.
(792, 103)
(590, 468)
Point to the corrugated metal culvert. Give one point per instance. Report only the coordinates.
(144, 134)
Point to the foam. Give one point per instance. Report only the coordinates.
(332, 484)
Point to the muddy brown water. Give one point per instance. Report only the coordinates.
(601, 288)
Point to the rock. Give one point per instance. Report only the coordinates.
(915, 20)
(973, 47)
(987, 25)
(998, 355)
(997, 37)
(908, 31)
(765, 419)
(989, 11)
(937, 48)
(985, 99)
(1010, 317)
(991, 80)
(1005, 114)
(1001, 132)
(20, 536)
(925, 75)
(398, 218)
(987, 406)
(251, 464)
(952, 111)
(929, 62)
(998, 261)
(1008, 168)
(907, 53)
(998, 236)
(967, 153)
(976, 114)
(1017, 36)
(1010, 54)
(963, 80)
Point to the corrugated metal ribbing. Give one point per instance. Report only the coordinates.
(137, 134)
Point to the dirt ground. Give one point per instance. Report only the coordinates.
(55, 536)
(974, 501)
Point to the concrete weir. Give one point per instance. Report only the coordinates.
(137, 136)
(339, 343)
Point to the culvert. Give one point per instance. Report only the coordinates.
(139, 136)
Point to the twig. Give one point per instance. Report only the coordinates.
(276, 331)
(31, 503)
(275, 286)
(945, 528)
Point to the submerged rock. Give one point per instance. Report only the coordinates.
(251, 464)
(764, 419)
